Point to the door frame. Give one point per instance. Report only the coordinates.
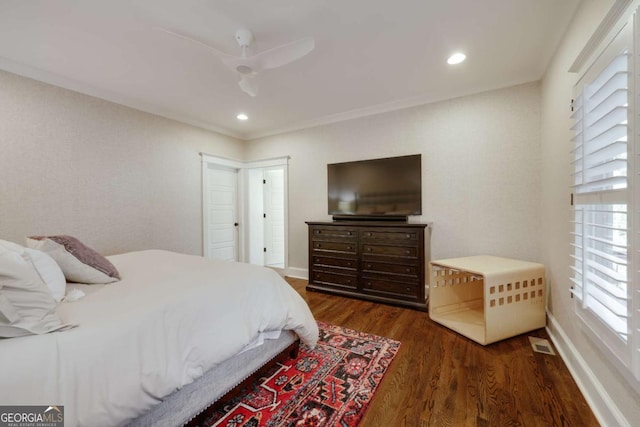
(243, 215)
(225, 163)
(283, 163)
(269, 218)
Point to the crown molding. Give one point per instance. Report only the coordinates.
(86, 89)
(388, 107)
(602, 32)
(348, 115)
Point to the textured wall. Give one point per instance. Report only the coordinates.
(115, 177)
(480, 171)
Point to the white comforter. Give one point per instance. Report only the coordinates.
(168, 320)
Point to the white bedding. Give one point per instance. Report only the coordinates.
(169, 319)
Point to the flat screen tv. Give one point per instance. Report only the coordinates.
(389, 188)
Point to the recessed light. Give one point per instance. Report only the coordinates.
(456, 58)
(242, 116)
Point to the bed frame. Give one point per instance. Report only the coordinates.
(191, 404)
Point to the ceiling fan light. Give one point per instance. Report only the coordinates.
(242, 116)
(456, 58)
(244, 69)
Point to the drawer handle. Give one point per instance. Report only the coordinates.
(349, 247)
(348, 281)
(318, 245)
(368, 249)
(408, 252)
(408, 288)
(369, 234)
(368, 265)
(348, 264)
(408, 270)
(349, 233)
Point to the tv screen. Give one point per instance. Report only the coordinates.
(389, 187)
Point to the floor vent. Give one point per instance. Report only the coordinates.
(541, 345)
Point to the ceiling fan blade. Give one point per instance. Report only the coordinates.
(191, 39)
(282, 55)
(249, 85)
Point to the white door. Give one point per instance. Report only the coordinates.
(221, 212)
(274, 220)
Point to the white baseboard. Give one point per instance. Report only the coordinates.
(298, 273)
(601, 403)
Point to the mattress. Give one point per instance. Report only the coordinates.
(171, 318)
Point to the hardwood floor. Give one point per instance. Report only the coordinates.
(440, 378)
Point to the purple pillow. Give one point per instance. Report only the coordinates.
(78, 262)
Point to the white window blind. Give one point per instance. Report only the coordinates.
(600, 141)
(600, 231)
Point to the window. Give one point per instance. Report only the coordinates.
(602, 187)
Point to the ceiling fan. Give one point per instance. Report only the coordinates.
(249, 66)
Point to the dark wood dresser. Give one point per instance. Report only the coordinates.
(376, 261)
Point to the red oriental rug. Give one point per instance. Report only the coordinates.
(331, 385)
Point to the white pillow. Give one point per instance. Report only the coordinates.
(49, 272)
(47, 268)
(26, 304)
(10, 246)
(79, 263)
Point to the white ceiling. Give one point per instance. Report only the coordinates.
(370, 55)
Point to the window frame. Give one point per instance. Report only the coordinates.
(624, 355)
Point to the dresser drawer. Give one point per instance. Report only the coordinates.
(345, 247)
(369, 250)
(325, 261)
(390, 287)
(411, 236)
(335, 279)
(410, 270)
(334, 233)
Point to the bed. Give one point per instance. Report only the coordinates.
(174, 334)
